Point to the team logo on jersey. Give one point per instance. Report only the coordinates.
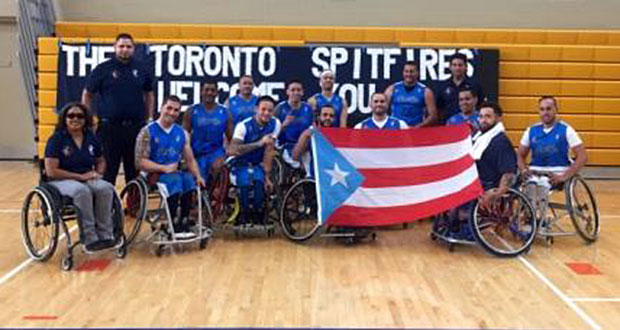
(135, 73)
(448, 91)
(557, 137)
(177, 138)
(91, 150)
(67, 151)
(115, 74)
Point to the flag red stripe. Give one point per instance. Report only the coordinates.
(418, 137)
(397, 177)
(383, 216)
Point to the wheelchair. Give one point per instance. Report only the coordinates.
(226, 207)
(553, 204)
(300, 222)
(45, 211)
(505, 228)
(142, 200)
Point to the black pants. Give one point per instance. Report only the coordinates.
(119, 142)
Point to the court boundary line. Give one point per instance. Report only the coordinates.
(28, 261)
(595, 299)
(566, 299)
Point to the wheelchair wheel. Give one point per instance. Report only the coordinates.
(277, 171)
(218, 192)
(298, 215)
(39, 225)
(507, 227)
(582, 209)
(133, 201)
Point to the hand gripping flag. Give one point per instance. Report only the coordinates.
(384, 177)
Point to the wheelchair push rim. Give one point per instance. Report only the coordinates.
(298, 214)
(583, 209)
(133, 201)
(506, 228)
(39, 225)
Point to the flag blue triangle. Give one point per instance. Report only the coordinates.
(336, 177)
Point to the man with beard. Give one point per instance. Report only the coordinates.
(160, 146)
(327, 97)
(301, 152)
(495, 158)
(410, 100)
(208, 123)
(448, 91)
(126, 101)
(241, 106)
(380, 118)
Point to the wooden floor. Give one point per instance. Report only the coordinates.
(402, 280)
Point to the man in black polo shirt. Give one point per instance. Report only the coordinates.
(447, 92)
(495, 157)
(126, 100)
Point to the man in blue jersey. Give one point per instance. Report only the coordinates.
(380, 118)
(327, 97)
(550, 141)
(447, 92)
(296, 116)
(253, 145)
(241, 106)
(160, 146)
(467, 101)
(410, 100)
(208, 123)
(325, 118)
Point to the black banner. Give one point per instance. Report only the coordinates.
(360, 71)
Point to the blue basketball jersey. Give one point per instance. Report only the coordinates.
(166, 148)
(208, 128)
(409, 106)
(460, 118)
(391, 124)
(549, 149)
(241, 108)
(303, 120)
(335, 101)
(253, 133)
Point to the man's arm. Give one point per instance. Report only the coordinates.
(143, 150)
(192, 165)
(580, 160)
(238, 148)
(302, 144)
(388, 95)
(229, 127)
(149, 102)
(431, 109)
(344, 114)
(267, 163)
(522, 153)
(86, 98)
(187, 120)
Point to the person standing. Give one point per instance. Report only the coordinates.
(125, 102)
(447, 92)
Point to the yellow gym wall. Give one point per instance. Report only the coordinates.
(581, 67)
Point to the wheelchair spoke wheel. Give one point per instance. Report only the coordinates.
(507, 227)
(39, 225)
(583, 209)
(298, 215)
(133, 201)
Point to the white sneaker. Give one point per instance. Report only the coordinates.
(184, 235)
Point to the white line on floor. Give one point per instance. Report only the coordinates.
(595, 299)
(27, 262)
(568, 301)
(10, 211)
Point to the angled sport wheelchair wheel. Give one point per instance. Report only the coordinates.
(40, 224)
(582, 209)
(133, 199)
(507, 227)
(298, 214)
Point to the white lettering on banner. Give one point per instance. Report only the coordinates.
(388, 60)
(410, 54)
(212, 61)
(231, 61)
(339, 56)
(443, 68)
(271, 88)
(374, 61)
(158, 51)
(357, 63)
(248, 51)
(98, 54)
(360, 99)
(193, 59)
(176, 60)
(428, 60)
(267, 55)
(317, 53)
(70, 56)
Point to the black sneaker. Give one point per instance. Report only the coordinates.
(106, 244)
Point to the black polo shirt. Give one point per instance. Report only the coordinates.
(498, 158)
(120, 88)
(70, 157)
(447, 96)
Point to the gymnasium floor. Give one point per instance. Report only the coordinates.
(402, 280)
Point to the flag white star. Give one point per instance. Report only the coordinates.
(338, 176)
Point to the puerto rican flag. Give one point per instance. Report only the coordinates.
(384, 177)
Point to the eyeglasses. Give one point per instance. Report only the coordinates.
(75, 116)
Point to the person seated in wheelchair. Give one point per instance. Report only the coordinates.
(160, 146)
(550, 141)
(380, 118)
(325, 117)
(296, 116)
(74, 164)
(496, 163)
(253, 146)
(208, 123)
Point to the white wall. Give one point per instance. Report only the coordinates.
(583, 14)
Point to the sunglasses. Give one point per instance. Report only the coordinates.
(75, 116)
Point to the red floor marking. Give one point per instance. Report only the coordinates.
(93, 265)
(39, 317)
(583, 268)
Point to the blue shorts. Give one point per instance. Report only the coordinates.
(244, 176)
(178, 182)
(206, 161)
